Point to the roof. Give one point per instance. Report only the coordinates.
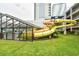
(20, 20)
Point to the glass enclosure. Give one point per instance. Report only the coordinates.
(12, 28)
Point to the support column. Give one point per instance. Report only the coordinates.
(71, 18)
(23, 34)
(1, 29)
(65, 32)
(13, 34)
(19, 31)
(32, 34)
(26, 32)
(6, 29)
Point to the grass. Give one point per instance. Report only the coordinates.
(65, 45)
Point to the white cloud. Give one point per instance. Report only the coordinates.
(21, 10)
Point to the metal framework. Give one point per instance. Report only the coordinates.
(12, 23)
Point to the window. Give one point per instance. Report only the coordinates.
(41, 10)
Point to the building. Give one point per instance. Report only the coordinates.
(58, 10)
(42, 11)
(12, 27)
(73, 14)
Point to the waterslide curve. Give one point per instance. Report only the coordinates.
(53, 29)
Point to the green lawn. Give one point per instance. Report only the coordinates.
(66, 45)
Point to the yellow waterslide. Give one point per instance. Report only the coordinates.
(54, 26)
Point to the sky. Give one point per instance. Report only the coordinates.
(24, 11)
(21, 10)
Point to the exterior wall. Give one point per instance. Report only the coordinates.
(48, 11)
(73, 14)
(42, 11)
(73, 11)
(58, 10)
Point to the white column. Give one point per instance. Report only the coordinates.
(71, 18)
(65, 32)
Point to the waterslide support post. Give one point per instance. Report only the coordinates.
(65, 32)
(71, 18)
